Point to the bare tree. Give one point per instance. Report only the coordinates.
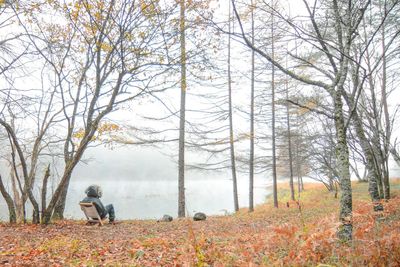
(273, 137)
(231, 136)
(98, 56)
(337, 52)
(181, 160)
(251, 159)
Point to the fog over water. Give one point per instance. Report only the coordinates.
(142, 183)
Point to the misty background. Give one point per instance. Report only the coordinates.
(142, 183)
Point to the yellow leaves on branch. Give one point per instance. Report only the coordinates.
(35, 7)
(57, 33)
(75, 11)
(310, 105)
(95, 10)
(149, 8)
(128, 36)
(104, 129)
(106, 47)
(195, 4)
(107, 128)
(79, 134)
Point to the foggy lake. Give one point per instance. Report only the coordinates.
(142, 183)
(151, 200)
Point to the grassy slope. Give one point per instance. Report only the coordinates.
(288, 236)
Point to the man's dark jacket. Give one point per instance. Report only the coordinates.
(93, 196)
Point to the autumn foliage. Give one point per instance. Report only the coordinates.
(303, 234)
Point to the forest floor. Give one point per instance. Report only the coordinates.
(288, 236)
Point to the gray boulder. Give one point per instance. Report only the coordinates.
(166, 218)
(199, 216)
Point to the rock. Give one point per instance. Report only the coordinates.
(166, 218)
(199, 216)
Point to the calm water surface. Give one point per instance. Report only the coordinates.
(150, 200)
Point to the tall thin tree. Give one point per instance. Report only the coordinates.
(274, 178)
(251, 160)
(231, 138)
(181, 159)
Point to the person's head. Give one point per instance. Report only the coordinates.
(94, 191)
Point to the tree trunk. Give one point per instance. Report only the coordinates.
(378, 165)
(301, 181)
(331, 182)
(10, 203)
(371, 148)
(289, 138)
(231, 139)
(35, 212)
(274, 178)
(373, 171)
(251, 160)
(298, 166)
(18, 198)
(181, 160)
(343, 165)
(48, 212)
(387, 133)
(44, 189)
(58, 213)
(69, 167)
(27, 191)
(374, 145)
(373, 174)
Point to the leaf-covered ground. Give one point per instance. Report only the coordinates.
(288, 236)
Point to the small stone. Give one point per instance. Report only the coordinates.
(199, 216)
(166, 218)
